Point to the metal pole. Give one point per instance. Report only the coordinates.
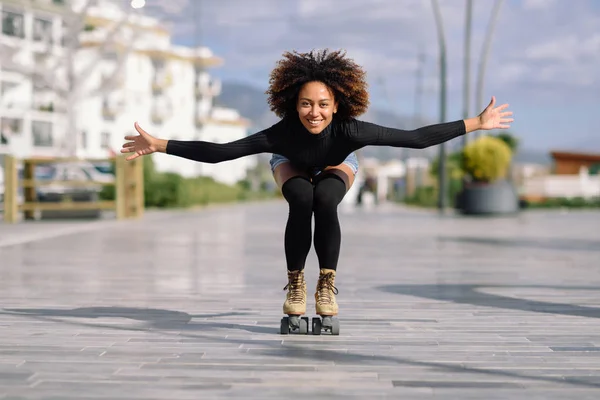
(442, 147)
(485, 50)
(419, 87)
(466, 78)
(467, 64)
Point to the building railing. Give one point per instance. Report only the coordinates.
(129, 189)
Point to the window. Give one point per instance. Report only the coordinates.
(9, 127)
(84, 140)
(42, 133)
(9, 95)
(64, 34)
(13, 24)
(42, 30)
(105, 140)
(7, 87)
(108, 110)
(110, 55)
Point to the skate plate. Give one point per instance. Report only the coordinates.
(325, 323)
(294, 324)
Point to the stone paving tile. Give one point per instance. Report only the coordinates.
(184, 305)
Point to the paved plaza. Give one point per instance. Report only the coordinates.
(187, 305)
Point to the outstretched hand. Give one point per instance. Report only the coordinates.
(143, 144)
(495, 118)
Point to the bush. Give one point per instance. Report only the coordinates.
(487, 159)
(562, 202)
(167, 189)
(171, 190)
(424, 196)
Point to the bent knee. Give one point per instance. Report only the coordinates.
(329, 193)
(298, 191)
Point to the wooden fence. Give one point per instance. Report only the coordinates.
(128, 183)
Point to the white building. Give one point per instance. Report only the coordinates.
(126, 70)
(30, 37)
(582, 185)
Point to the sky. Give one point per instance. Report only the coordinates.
(544, 60)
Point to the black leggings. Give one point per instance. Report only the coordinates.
(321, 197)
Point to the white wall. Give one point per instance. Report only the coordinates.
(560, 186)
(185, 106)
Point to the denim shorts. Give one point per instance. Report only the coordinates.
(351, 161)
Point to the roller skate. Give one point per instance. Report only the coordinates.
(325, 304)
(295, 305)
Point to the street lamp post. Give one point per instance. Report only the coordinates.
(442, 147)
(467, 64)
(466, 78)
(485, 50)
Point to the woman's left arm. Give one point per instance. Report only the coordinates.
(366, 133)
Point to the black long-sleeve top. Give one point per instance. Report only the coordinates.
(289, 138)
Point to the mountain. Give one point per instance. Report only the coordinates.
(528, 156)
(251, 102)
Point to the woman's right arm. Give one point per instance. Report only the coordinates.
(209, 152)
(198, 150)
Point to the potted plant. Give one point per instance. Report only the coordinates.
(486, 191)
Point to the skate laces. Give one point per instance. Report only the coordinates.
(295, 286)
(325, 287)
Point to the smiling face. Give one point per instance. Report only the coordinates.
(316, 106)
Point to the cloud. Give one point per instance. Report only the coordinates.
(394, 31)
(538, 4)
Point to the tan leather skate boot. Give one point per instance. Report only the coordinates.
(295, 300)
(325, 295)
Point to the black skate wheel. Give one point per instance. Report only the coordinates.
(335, 326)
(303, 329)
(316, 326)
(294, 321)
(285, 326)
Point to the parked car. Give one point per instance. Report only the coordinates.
(57, 192)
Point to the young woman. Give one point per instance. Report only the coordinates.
(318, 96)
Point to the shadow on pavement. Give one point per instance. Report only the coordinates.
(542, 243)
(291, 350)
(473, 294)
(157, 318)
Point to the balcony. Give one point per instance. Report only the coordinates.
(42, 32)
(9, 128)
(159, 114)
(162, 80)
(110, 108)
(207, 87)
(12, 96)
(47, 101)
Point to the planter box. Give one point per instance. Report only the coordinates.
(497, 198)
